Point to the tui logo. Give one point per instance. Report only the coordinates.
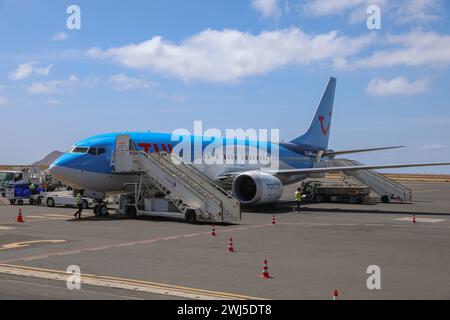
(326, 129)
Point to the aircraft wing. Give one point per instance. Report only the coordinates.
(354, 168)
(333, 153)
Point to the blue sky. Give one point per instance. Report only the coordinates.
(159, 65)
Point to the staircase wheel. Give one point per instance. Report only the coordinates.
(191, 217)
(131, 212)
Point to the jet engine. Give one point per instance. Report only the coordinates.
(255, 187)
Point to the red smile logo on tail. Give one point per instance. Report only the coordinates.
(327, 129)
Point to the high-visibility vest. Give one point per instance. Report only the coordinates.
(298, 196)
(78, 199)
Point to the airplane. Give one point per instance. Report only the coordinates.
(87, 166)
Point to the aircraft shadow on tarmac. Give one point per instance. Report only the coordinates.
(283, 207)
(118, 217)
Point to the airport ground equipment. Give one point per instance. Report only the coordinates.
(19, 193)
(386, 188)
(322, 191)
(168, 189)
(7, 177)
(64, 198)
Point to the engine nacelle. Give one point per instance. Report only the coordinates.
(257, 188)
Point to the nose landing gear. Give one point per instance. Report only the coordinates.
(101, 210)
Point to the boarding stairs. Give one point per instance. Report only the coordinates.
(181, 183)
(382, 185)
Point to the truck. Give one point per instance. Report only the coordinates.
(6, 177)
(323, 191)
(19, 193)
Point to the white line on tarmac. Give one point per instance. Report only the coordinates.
(59, 215)
(427, 220)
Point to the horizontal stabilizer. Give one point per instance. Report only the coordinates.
(338, 153)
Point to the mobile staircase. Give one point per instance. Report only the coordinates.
(166, 183)
(386, 188)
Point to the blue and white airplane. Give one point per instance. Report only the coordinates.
(87, 166)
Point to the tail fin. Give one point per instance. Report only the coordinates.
(319, 130)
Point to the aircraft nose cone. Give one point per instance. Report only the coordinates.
(56, 171)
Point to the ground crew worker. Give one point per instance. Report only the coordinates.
(298, 199)
(32, 188)
(79, 204)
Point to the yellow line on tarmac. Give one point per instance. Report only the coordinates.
(6, 228)
(24, 244)
(125, 284)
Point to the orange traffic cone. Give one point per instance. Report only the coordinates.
(273, 220)
(213, 231)
(414, 218)
(19, 216)
(335, 294)
(230, 245)
(265, 273)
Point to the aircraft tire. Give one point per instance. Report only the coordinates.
(191, 217)
(131, 212)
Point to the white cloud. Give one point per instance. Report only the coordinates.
(397, 86)
(330, 7)
(60, 36)
(432, 147)
(53, 86)
(417, 11)
(230, 55)
(416, 48)
(44, 71)
(401, 11)
(267, 8)
(24, 70)
(123, 82)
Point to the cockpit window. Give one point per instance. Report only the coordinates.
(79, 150)
(101, 151)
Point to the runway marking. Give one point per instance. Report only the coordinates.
(65, 289)
(125, 284)
(427, 220)
(33, 219)
(131, 243)
(17, 245)
(5, 201)
(6, 228)
(37, 217)
(58, 215)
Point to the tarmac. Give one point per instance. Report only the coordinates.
(326, 247)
